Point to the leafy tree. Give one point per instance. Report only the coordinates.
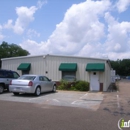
(122, 67)
(11, 50)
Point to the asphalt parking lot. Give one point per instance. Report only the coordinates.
(88, 100)
(52, 111)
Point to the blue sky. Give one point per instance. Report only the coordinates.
(91, 28)
(46, 18)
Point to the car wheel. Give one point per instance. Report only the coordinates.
(15, 93)
(37, 91)
(1, 88)
(54, 88)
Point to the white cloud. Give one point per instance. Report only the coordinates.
(122, 5)
(82, 32)
(41, 3)
(32, 33)
(80, 26)
(1, 36)
(0, 27)
(35, 48)
(8, 25)
(118, 35)
(25, 16)
(115, 56)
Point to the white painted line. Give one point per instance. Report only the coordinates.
(118, 103)
(83, 96)
(75, 101)
(86, 94)
(34, 98)
(56, 100)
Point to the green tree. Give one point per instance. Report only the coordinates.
(11, 50)
(122, 67)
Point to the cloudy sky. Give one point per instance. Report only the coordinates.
(91, 28)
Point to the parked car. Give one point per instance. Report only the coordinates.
(5, 77)
(117, 77)
(35, 84)
(127, 77)
(69, 78)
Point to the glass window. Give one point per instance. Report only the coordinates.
(69, 75)
(24, 77)
(16, 75)
(1, 74)
(25, 72)
(46, 79)
(9, 75)
(41, 78)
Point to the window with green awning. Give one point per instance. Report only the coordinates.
(68, 67)
(24, 66)
(95, 67)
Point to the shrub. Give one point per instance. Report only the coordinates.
(63, 85)
(82, 86)
(115, 87)
(76, 86)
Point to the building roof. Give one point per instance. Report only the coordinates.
(46, 55)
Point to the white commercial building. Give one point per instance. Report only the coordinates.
(96, 71)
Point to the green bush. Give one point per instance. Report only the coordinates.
(63, 85)
(82, 86)
(76, 86)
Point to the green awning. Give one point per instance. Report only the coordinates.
(24, 66)
(95, 67)
(68, 67)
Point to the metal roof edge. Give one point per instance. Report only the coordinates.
(21, 57)
(78, 57)
(45, 55)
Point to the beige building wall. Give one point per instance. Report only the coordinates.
(50, 63)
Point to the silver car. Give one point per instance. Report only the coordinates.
(32, 84)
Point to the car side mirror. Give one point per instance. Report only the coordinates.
(50, 80)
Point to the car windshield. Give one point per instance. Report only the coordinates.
(24, 77)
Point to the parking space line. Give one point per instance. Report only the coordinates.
(83, 96)
(34, 98)
(56, 100)
(75, 101)
(118, 103)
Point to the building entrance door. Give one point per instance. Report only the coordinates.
(94, 81)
